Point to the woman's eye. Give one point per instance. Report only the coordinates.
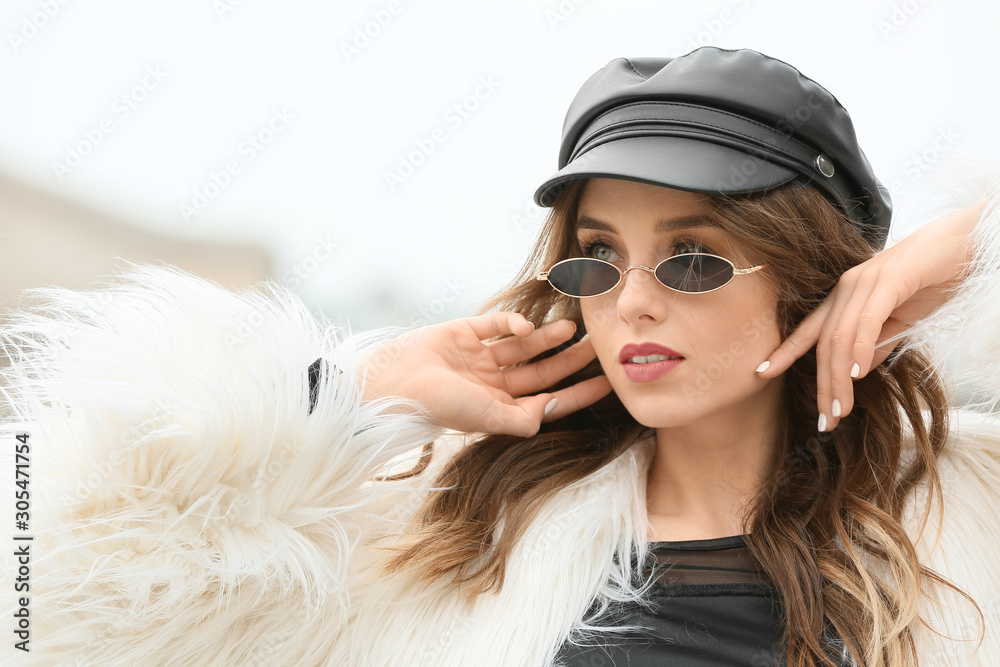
(680, 244)
(599, 250)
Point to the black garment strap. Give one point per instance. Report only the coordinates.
(317, 369)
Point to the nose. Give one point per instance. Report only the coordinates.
(641, 297)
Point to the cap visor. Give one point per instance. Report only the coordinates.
(676, 162)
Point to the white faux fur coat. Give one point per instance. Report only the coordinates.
(187, 509)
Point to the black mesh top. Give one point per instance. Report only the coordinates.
(711, 606)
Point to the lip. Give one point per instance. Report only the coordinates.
(644, 350)
(651, 371)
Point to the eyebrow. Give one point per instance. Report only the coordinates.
(661, 227)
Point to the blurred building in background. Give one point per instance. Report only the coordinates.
(48, 240)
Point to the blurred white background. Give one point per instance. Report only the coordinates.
(245, 139)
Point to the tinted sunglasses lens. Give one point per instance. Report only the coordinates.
(584, 277)
(694, 273)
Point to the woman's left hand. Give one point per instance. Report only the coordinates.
(874, 301)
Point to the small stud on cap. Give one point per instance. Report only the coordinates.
(824, 165)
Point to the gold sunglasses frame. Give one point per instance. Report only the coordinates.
(544, 275)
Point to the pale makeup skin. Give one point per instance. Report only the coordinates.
(715, 419)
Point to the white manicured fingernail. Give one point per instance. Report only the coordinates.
(763, 367)
(836, 408)
(822, 422)
(855, 370)
(551, 405)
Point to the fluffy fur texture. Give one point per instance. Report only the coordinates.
(189, 510)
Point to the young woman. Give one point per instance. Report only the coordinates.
(712, 423)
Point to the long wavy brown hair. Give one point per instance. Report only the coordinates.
(822, 524)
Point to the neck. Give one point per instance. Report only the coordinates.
(704, 473)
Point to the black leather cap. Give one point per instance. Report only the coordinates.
(718, 120)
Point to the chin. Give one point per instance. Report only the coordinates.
(655, 411)
(658, 420)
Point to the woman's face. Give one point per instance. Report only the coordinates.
(722, 335)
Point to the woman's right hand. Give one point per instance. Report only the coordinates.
(472, 386)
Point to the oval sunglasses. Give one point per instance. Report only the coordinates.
(695, 272)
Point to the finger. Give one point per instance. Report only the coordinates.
(532, 378)
(527, 414)
(579, 396)
(523, 418)
(800, 341)
(501, 323)
(512, 350)
(873, 325)
(829, 339)
(835, 350)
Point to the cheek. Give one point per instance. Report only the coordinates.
(597, 314)
(732, 337)
(760, 332)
